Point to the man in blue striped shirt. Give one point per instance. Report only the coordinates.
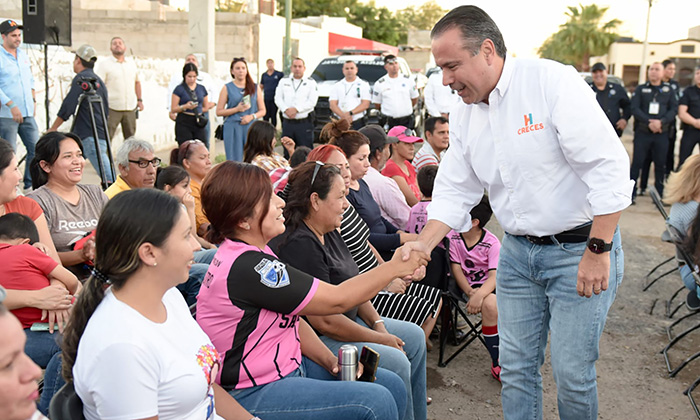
(17, 101)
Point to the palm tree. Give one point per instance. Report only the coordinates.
(581, 37)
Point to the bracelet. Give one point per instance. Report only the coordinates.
(139, 100)
(14, 105)
(379, 321)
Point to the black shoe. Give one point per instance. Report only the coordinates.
(692, 301)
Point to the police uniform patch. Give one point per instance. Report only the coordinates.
(273, 274)
(646, 90)
(612, 92)
(665, 89)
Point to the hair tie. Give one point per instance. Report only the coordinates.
(99, 276)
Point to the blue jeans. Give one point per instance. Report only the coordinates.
(688, 279)
(204, 256)
(312, 393)
(43, 349)
(91, 154)
(29, 133)
(410, 366)
(537, 295)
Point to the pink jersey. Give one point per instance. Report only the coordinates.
(478, 260)
(418, 217)
(248, 306)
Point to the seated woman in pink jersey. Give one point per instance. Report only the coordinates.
(250, 306)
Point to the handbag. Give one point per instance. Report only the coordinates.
(202, 120)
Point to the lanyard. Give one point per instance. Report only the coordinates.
(297, 86)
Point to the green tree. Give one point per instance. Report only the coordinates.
(583, 35)
(304, 8)
(422, 17)
(378, 24)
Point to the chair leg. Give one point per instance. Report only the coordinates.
(678, 321)
(472, 334)
(669, 303)
(658, 278)
(673, 343)
(684, 364)
(689, 393)
(446, 321)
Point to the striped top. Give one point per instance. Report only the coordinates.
(682, 215)
(355, 234)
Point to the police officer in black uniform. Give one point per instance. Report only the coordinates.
(689, 113)
(654, 107)
(612, 98)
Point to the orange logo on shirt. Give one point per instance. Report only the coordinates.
(530, 125)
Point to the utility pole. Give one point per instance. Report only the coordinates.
(643, 65)
(287, 64)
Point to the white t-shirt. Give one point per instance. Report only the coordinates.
(395, 95)
(350, 95)
(129, 367)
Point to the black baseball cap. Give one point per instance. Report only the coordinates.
(377, 136)
(598, 67)
(8, 26)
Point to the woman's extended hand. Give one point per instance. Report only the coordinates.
(415, 260)
(289, 144)
(397, 286)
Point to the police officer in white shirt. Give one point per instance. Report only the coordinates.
(204, 79)
(296, 97)
(531, 133)
(350, 97)
(395, 95)
(439, 99)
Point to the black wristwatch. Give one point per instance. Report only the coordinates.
(598, 246)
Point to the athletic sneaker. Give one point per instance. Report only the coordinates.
(496, 372)
(692, 301)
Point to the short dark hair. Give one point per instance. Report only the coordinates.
(482, 212)
(426, 179)
(476, 27)
(171, 175)
(7, 152)
(300, 189)
(299, 156)
(431, 121)
(666, 62)
(18, 226)
(47, 149)
(87, 64)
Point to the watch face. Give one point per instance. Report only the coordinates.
(598, 246)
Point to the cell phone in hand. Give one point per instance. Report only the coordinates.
(370, 362)
(41, 326)
(246, 99)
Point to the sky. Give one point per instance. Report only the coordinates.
(526, 25)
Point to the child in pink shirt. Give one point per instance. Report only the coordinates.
(473, 260)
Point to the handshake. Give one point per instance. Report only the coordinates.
(410, 260)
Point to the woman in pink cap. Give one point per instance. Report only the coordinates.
(399, 167)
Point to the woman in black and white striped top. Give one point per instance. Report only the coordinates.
(412, 302)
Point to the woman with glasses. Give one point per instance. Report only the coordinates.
(132, 348)
(240, 103)
(190, 102)
(251, 305)
(193, 155)
(312, 244)
(71, 209)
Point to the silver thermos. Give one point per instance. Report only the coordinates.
(347, 362)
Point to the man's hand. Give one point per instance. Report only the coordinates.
(139, 104)
(406, 250)
(291, 112)
(16, 115)
(593, 273)
(655, 126)
(621, 124)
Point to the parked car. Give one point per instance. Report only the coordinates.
(370, 67)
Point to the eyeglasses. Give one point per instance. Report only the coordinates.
(155, 162)
(316, 169)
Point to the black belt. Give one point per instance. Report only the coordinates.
(573, 236)
(291, 121)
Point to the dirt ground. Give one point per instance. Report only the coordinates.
(632, 379)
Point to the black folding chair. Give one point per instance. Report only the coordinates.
(689, 393)
(451, 313)
(685, 258)
(66, 405)
(664, 237)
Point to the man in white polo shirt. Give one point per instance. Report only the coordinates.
(124, 89)
(350, 97)
(531, 133)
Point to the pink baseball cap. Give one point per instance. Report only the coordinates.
(404, 134)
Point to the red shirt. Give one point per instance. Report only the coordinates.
(392, 169)
(25, 206)
(25, 268)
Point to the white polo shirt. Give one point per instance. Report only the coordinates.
(120, 79)
(543, 149)
(350, 95)
(301, 94)
(395, 95)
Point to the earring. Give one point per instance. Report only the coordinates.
(155, 264)
(246, 226)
